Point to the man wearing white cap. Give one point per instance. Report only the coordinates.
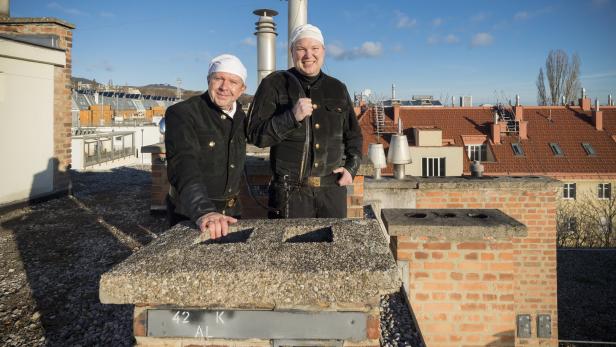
(206, 147)
(306, 118)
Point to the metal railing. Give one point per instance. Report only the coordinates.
(105, 147)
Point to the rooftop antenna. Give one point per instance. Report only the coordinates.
(583, 93)
(610, 102)
(393, 91)
(517, 100)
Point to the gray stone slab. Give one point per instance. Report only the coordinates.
(236, 324)
(254, 268)
(452, 224)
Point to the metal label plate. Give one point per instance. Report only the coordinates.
(239, 324)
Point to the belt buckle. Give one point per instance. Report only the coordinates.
(313, 181)
(231, 202)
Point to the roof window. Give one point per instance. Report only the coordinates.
(517, 149)
(556, 149)
(588, 148)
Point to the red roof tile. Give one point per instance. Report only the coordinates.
(567, 126)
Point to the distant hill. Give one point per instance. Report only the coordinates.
(159, 89)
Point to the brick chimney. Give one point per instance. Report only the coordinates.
(523, 131)
(396, 107)
(495, 133)
(597, 117)
(518, 110)
(584, 101)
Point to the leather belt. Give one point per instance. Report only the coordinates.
(321, 181)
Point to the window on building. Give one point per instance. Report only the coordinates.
(556, 149)
(477, 152)
(517, 149)
(604, 190)
(431, 167)
(569, 191)
(588, 148)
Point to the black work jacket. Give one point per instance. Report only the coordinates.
(205, 155)
(336, 136)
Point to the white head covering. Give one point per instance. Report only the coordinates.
(307, 30)
(228, 63)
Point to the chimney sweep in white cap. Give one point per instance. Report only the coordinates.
(307, 30)
(201, 133)
(313, 133)
(228, 63)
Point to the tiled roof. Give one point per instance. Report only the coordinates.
(567, 126)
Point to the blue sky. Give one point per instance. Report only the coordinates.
(490, 49)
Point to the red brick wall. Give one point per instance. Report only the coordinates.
(62, 87)
(469, 292)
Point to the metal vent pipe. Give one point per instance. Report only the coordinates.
(266, 43)
(298, 15)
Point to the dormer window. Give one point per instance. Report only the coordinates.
(556, 149)
(477, 152)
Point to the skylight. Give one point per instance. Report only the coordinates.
(556, 149)
(588, 148)
(517, 149)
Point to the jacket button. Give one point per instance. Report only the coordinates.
(317, 126)
(316, 164)
(229, 190)
(232, 166)
(317, 146)
(212, 143)
(338, 109)
(222, 116)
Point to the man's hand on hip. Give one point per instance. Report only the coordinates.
(345, 178)
(302, 109)
(216, 223)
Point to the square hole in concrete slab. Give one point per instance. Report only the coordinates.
(239, 236)
(305, 234)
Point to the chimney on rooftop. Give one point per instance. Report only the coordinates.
(297, 15)
(610, 102)
(584, 101)
(266, 43)
(5, 8)
(495, 130)
(518, 110)
(393, 91)
(396, 108)
(597, 116)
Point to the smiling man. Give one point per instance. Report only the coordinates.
(306, 118)
(206, 147)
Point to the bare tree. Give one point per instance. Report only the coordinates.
(586, 222)
(542, 98)
(563, 77)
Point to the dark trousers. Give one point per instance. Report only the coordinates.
(307, 202)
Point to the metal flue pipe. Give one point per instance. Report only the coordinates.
(399, 153)
(266, 43)
(298, 15)
(376, 154)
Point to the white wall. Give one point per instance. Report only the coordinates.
(26, 129)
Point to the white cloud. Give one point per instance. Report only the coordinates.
(72, 11)
(481, 16)
(404, 21)
(522, 15)
(605, 74)
(437, 22)
(600, 3)
(368, 49)
(482, 39)
(525, 15)
(448, 39)
(107, 15)
(451, 39)
(249, 41)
